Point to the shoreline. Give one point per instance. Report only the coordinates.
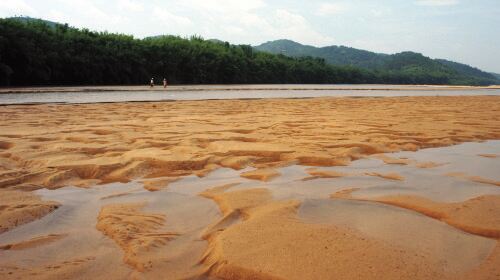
(242, 87)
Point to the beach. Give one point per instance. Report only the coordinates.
(252, 189)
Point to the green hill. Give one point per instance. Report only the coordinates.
(34, 20)
(38, 52)
(407, 66)
(496, 75)
(338, 55)
(34, 52)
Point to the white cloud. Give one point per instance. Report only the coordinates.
(224, 6)
(330, 9)
(437, 2)
(130, 6)
(293, 26)
(85, 14)
(380, 12)
(9, 8)
(169, 18)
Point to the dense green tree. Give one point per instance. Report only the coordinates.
(35, 52)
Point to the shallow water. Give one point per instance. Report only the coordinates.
(409, 230)
(190, 214)
(239, 92)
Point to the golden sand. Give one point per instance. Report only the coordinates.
(479, 216)
(34, 242)
(257, 237)
(477, 179)
(265, 174)
(59, 145)
(389, 176)
(136, 232)
(270, 243)
(18, 208)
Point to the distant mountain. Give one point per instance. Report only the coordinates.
(338, 55)
(217, 41)
(405, 63)
(30, 19)
(496, 75)
(466, 69)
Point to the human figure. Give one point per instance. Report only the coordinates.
(152, 84)
(165, 83)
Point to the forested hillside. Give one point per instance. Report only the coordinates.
(339, 55)
(34, 52)
(406, 67)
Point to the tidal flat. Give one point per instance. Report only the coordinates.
(319, 188)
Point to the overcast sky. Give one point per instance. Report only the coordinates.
(461, 30)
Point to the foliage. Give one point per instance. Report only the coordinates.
(401, 68)
(35, 52)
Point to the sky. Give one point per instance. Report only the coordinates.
(465, 31)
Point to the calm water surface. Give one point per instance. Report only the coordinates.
(238, 92)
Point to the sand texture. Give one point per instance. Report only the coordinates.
(136, 232)
(479, 216)
(59, 145)
(271, 243)
(202, 189)
(19, 207)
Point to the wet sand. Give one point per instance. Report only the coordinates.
(251, 189)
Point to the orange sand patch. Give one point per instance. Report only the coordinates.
(69, 269)
(488, 270)
(242, 200)
(477, 179)
(265, 174)
(345, 193)
(271, 243)
(34, 242)
(137, 233)
(154, 185)
(389, 176)
(429, 164)
(488, 155)
(237, 162)
(317, 174)
(325, 173)
(59, 145)
(19, 207)
(391, 160)
(480, 215)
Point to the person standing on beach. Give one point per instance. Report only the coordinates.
(165, 83)
(152, 84)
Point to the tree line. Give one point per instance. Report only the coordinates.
(36, 53)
